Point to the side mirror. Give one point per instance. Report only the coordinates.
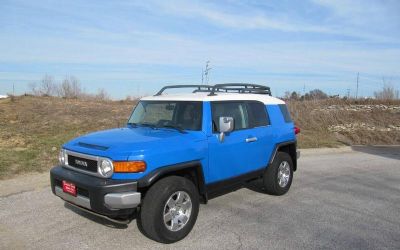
(226, 125)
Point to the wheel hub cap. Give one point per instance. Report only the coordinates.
(283, 174)
(177, 211)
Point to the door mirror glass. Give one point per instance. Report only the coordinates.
(226, 124)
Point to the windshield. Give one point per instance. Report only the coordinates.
(173, 114)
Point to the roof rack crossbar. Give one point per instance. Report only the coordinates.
(240, 88)
(198, 88)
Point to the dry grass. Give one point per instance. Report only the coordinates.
(329, 123)
(32, 129)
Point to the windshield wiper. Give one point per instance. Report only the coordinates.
(180, 129)
(153, 126)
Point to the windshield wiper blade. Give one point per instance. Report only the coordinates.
(147, 125)
(180, 129)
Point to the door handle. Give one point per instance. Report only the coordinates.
(252, 139)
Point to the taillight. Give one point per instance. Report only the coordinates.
(296, 130)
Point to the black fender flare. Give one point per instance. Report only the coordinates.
(158, 173)
(278, 146)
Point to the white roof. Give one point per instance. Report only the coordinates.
(3, 96)
(204, 97)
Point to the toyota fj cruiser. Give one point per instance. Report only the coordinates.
(179, 150)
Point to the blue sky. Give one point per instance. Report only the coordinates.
(136, 47)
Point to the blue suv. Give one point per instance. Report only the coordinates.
(177, 151)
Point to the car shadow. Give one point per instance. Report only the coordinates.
(256, 186)
(392, 152)
(99, 219)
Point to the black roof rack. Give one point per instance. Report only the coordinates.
(198, 88)
(243, 88)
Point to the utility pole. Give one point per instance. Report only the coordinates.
(348, 93)
(205, 75)
(304, 89)
(358, 75)
(13, 89)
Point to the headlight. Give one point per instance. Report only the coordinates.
(106, 168)
(63, 157)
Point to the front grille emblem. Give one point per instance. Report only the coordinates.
(81, 163)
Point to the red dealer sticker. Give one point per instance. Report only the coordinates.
(69, 188)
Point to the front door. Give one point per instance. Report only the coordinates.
(242, 150)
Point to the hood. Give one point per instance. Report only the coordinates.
(121, 143)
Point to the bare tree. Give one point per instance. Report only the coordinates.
(48, 87)
(102, 95)
(70, 88)
(388, 92)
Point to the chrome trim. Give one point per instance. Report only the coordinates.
(122, 200)
(89, 157)
(77, 200)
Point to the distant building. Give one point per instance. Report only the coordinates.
(3, 96)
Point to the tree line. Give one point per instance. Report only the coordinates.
(69, 87)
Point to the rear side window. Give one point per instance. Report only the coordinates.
(285, 112)
(258, 115)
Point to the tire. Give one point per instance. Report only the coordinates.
(154, 207)
(273, 183)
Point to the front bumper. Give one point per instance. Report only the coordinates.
(108, 197)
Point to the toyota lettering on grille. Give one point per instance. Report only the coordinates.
(81, 163)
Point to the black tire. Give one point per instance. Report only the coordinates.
(270, 179)
(151, 220)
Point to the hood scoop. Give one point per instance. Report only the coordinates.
(92, 146)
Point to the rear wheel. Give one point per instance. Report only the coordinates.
(278, 176)
(169, 209)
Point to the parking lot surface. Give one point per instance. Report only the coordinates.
(342, 199)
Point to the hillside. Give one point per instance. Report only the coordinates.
(33, 128)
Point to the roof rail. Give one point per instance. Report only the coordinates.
(243, 88)
(199, 88)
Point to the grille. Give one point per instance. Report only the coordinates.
(78, 162)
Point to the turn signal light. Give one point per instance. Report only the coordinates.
(296, 130)
(129, 166)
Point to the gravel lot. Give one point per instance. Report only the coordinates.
(342, 199)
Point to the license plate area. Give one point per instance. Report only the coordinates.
(69, 188)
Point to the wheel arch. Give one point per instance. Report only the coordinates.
(192, 170)
(289, 147)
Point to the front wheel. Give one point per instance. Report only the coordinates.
(279, 175)
(169, 209)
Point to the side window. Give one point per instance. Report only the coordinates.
(258, 115)
(236, 110)
(285, 112)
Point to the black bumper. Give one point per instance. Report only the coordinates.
(94, 189)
